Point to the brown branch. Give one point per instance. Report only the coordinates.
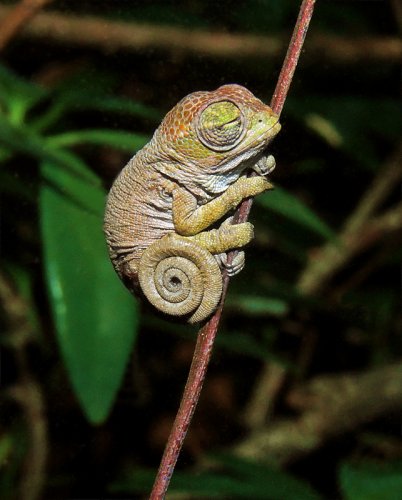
(107, 35)
(360, 230)
(330, 406)
(397, 9)
(370, 265)
(351, 50)
(334, 256)
(29, 396)
(383, 184)
(17, 17)
(292, 57)
(282, 86)
(264, 395)
(16, 314)
(191, 394)
(206, 335)
(27, 392)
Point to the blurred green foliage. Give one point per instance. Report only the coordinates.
(234, 478)
(96, 319)
(371, 481)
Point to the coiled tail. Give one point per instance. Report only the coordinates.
(180, 278)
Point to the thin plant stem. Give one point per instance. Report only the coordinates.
(17, 18)
(207, 333)
(27, 392)
(292, 56)
(189, 400)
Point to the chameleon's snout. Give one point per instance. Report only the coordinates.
(266, 121)
(277, 126)
(273, 120)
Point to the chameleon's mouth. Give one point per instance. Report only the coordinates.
(268, 136)
(276, 128)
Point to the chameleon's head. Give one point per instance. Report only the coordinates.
(218, 132)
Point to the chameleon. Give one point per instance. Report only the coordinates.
(165, 223)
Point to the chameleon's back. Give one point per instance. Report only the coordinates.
(135, 216)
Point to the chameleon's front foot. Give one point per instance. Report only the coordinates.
(265, 165)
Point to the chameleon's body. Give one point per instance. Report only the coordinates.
(184, 180)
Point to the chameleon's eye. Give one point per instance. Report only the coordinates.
(221, 126)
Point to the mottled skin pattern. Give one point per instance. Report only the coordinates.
(188, 177)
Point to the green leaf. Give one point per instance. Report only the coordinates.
(120, 139)
(254, 305)
(84, 91)
(23, 140)
(347, 123)
(90, 89)
(71, 163)
(119, 105)
(246, 345)
(77, 101)
(95, 317)
(12, 452)
(239, 479)
(271, 482)
(371, 481)
(6, 446)
(48, 118)
(23, 282)
(285, 204)
(18, 95)
(19, 86)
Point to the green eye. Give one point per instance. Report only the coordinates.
(221, 126)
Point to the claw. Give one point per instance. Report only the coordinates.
(235, 266)
(265, 165)
(227, 222)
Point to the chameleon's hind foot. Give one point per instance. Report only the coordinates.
(233, 267)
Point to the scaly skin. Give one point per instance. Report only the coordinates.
(189, 176)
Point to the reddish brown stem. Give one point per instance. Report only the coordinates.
(206, 335)
(17, 18)
(284, 81)
(292, 56)
(189, 400)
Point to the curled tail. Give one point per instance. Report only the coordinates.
(180, 278)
